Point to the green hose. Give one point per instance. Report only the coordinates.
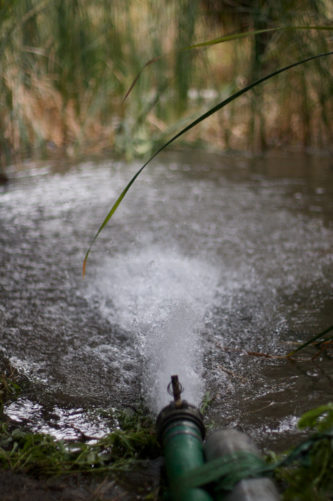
(181, 433)
(233, 471)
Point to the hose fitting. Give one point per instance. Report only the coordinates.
(181, 431)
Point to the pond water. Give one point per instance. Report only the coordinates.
(210, 260)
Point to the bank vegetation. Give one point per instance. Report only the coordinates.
(66, 66)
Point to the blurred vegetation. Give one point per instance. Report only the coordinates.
(66, 66)
(306, 474)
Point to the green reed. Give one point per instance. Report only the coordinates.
(65, 68)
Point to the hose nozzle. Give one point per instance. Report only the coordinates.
(175, 389)
(181, 431)
(178, 410)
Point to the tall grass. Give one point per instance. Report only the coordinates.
(65, 68)
(293, 110)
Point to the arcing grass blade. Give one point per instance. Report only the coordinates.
(189, 127)
(111, 212)
(148, 63)
(225, 38)
(310, 341)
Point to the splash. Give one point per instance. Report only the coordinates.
(160, 298)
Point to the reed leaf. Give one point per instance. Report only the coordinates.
(195, 122)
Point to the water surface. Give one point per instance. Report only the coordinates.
(208, 259)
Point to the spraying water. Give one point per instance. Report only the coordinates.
(206, 260)
(161, 298)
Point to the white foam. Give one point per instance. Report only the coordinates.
(160, 297)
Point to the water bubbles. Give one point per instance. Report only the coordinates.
(209, 261)
(160, 297)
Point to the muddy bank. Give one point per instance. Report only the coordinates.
(126, 487)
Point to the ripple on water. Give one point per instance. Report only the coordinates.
(200, 265)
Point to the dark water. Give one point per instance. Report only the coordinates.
(208, 258)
